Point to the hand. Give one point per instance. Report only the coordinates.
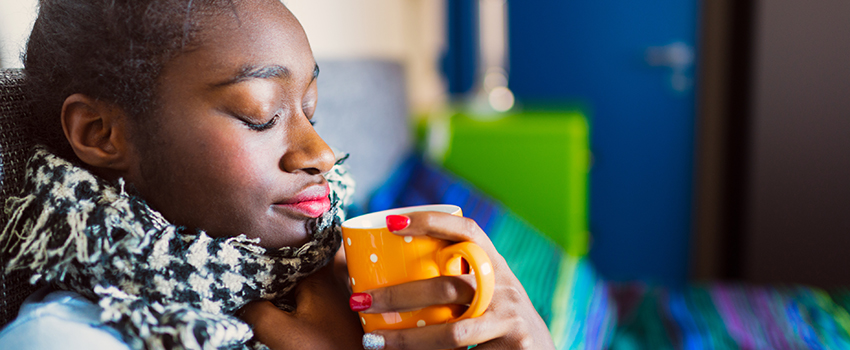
(510, 322)
(321, 319)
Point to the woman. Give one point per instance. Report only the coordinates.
(184, 195)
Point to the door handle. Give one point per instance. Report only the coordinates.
(677, 56)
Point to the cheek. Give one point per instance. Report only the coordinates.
(231, 159)
(213, 180)
(213, 161)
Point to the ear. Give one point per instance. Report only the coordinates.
(97, 131)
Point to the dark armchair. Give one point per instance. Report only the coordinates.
(15, 145)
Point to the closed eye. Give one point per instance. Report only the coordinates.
(261, 127)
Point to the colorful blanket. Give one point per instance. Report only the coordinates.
(731, 316)
(585, 312)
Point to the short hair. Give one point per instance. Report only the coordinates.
(112, 50)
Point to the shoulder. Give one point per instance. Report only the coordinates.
(59, 320)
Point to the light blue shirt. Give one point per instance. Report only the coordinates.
(59, 320)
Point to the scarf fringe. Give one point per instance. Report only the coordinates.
(49, 259)
(15, 210)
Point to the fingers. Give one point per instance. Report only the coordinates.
(505, 326)
(442, 226)
(416, 295)
(509, 322)
(447, 227)
(459, 334)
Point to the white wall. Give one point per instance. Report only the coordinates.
(410, 32)
(354, 29)
(16, 18)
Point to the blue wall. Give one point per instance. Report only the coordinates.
(642, 129)
(593, 53)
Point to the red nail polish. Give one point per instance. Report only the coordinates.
(360, 301)
(397, 222)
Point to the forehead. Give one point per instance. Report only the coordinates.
(252, 33)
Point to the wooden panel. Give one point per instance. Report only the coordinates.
(799, 190)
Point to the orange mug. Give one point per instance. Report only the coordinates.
(378, 258)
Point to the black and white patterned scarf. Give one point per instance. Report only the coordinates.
(161, 286)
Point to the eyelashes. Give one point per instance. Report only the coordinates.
(262, 127)
(268, 125)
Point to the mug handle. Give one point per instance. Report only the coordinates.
(485, 278)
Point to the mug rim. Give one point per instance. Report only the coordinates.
(364, 221)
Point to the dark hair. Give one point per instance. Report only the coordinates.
(112, 50)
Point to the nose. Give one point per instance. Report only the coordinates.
(307, 151)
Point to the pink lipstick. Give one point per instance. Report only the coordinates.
(312, 202)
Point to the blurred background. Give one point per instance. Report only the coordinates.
(670, 141)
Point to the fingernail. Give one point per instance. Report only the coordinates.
(372, 341)
(397, 222)
(360, 301)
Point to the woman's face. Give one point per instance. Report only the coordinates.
(231, 148)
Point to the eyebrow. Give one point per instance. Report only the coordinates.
(261, 72)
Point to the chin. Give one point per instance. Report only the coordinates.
(290, 236)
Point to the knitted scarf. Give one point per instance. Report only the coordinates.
(160, 285)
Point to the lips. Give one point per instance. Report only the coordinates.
(312, 202)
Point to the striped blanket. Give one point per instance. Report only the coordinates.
(585, 312)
